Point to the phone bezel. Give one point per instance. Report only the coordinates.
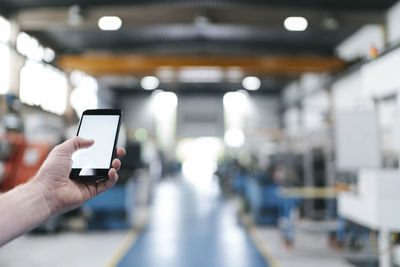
(97, 174)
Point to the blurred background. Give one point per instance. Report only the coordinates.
(258, 132)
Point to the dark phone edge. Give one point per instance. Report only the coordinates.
(98, 174)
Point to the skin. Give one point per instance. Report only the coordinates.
(51, 191)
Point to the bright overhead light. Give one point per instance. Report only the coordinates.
(48, 54)
(110, 23)
(295, 24)
(5, 30)
(234, 138)
(235, 101)
(164, 103)
(251, 83)
(150, 82)
(201, 75)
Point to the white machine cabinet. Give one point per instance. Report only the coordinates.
(376, 205)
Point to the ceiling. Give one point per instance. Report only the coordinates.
(220, 28)
(18, 5)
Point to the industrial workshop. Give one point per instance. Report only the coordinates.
(200, 133)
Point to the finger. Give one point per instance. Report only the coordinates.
(104, 186)
(120, 152)
(112, 174)
(76, 143)
(116, 164)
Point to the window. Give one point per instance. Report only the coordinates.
(29, 47)
(4, 68)
(5, 30)
(44, 86)
(84, 95)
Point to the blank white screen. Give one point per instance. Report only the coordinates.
(102, 129)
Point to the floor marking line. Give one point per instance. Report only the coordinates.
(257, 240)
(127, 243)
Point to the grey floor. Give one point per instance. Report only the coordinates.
(71, 249)
(96, 248)
(192, 227)
(59, 250)
(310, 249)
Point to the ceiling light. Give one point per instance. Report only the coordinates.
(295, 24)
(235, 101)
(164, 104)
(48, 54)
(149, 82)
(201, 75)
(251, 83)
(5, 30)
(110, 23)
(234, 138)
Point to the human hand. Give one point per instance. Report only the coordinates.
(63, 194)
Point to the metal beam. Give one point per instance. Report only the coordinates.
(98, 65)
(260, 16)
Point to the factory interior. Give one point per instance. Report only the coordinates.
(243, 123)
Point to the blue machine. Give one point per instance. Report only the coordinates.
(111, 209)
(268, 207)
(239, 183)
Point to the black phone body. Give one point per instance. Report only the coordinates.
(102, 126)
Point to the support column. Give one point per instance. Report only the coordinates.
(383, 247)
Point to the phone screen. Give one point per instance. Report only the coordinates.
(102, 129)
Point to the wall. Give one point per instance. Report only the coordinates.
(200, 115)
(358, 44)
(137, 112)
(393, 22)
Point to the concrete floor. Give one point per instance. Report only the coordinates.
(59, 250)
(187, 227)
(310, 249)
(192, 227)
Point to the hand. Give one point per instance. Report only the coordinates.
(63, 194)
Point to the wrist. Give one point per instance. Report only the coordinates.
(22, 209)
(47, 196)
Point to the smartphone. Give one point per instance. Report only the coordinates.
(102, 126)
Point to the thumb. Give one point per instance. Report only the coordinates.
(76, 143)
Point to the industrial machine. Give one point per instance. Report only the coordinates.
(21, 159)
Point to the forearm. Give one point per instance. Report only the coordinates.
(21, 210)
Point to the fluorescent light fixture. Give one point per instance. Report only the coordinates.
(149, 82)
(84, 96)
(251, 83)
(4, 69)
(235, 101)
(201, 75)
(110, 23)
(164, 103)
(295, 23)
(234, 138)
(48, 54)
(5, 30)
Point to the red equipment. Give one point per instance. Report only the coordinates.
(23, 161)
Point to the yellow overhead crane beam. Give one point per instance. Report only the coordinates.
(98, 65)
(312, 192)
